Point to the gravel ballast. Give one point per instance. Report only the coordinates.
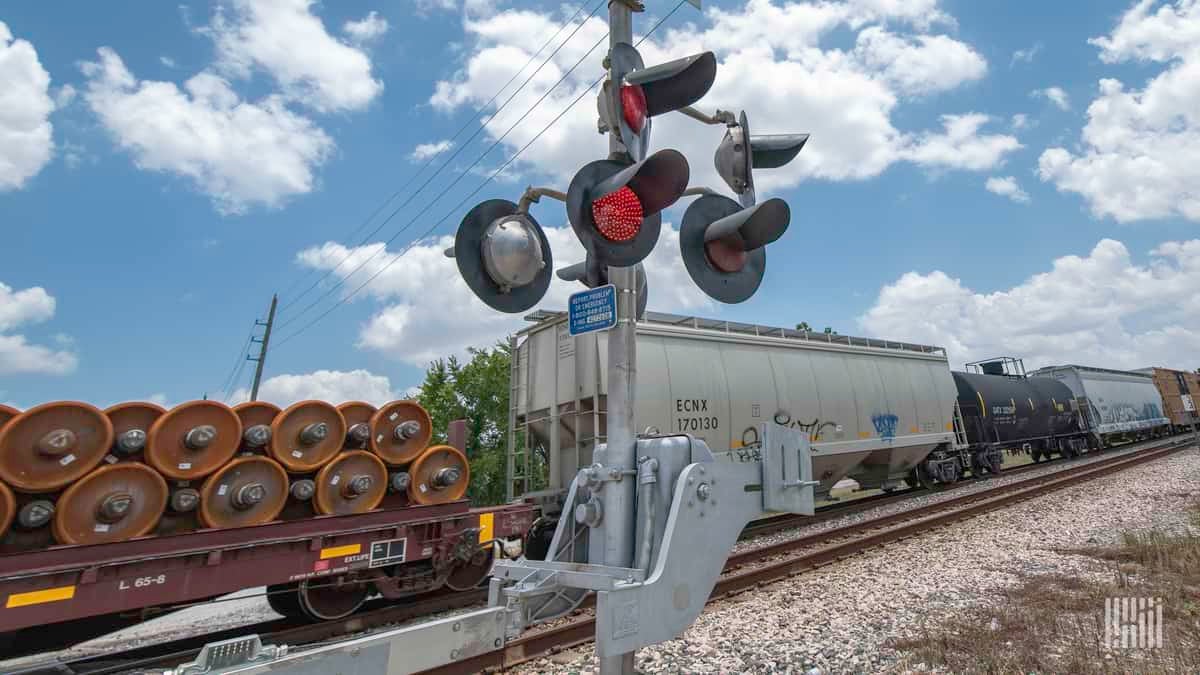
(839, 619)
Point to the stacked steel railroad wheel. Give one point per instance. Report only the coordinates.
(73, 474)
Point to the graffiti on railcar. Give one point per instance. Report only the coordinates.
(814, 429)
(885, 425)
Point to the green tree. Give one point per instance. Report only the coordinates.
(477, 392)
(803, 325)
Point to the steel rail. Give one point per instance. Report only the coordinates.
(549, 640)
(879, 531)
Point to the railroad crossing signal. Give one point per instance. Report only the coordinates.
(740, 153)
(724, 245)
(503, 255)
(615, 207)
(634, 93)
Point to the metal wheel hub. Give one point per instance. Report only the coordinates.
(407, 430)
(257, 436)
(249, 495)
(314, 433)
(132, 441)
(114, 507)
(360, 433)
(446, 477)
(57, 442)
(199, 438)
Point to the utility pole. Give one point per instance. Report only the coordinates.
(618, 500)
(262, 351)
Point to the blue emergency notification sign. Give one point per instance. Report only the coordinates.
(592, 310)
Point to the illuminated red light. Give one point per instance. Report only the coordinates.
(618, 215)
(633, 107)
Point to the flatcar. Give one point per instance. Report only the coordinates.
(110, 516)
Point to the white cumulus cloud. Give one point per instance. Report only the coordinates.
(26, 135)
(1055, 95)
(424, 151)
(1139, 153)
(17, 353)
(287, 41)
(920, 64)
(369, 28)
(961, 146)
(1102, 309)
(1025, 55)
(238, 152)
(333, 386)
(1006, 186)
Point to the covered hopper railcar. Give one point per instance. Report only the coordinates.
(873, 409)
(1116, 405)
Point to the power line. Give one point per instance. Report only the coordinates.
(488, 180)
(227, 382)
(447, 189)
(461, 147)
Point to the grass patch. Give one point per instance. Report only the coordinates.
(1055, 623)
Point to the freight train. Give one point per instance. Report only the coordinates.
(880, 412)
(107, 515)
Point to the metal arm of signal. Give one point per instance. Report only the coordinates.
(534, 194)
(720, 117)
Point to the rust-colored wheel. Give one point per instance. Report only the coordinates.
(256, 419)
(307, 435)
(7, 412)
(440, 475)
(193, 439)
(131, 425)
(53, 444)
(358, 422)
(400, 430)
(250, 490)
(113, 503)
(354, 482)
(8, 508)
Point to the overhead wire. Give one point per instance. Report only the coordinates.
(228, 381)
(429, 204)
(486, 181)
(349, 253)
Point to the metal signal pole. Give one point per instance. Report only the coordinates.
(262, 351)
(618, 499)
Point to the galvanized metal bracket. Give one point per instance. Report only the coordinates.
(788, 485)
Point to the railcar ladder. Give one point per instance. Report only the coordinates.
(960, 431)
(518, 465)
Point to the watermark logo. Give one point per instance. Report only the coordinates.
(1133, 623)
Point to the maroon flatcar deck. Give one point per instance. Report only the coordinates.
(64, 583)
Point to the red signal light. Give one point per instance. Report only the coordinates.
(633, 107)
(618, 215)
(726, 254)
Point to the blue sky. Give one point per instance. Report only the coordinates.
(160, 218)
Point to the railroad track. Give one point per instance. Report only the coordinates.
(755, 568)
(743, 570)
